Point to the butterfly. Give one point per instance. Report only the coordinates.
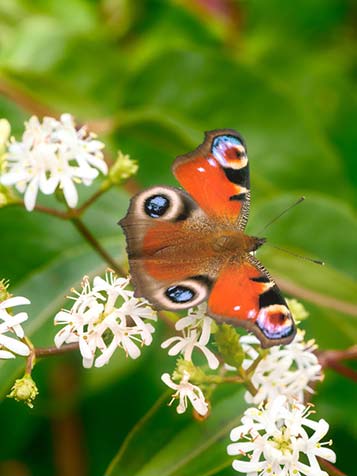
(188, 246)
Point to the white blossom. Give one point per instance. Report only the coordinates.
(186, 391)
(106, 316)
(10, 324)
(284, 370)
(196, 332)
(53, 154)
(280, 439)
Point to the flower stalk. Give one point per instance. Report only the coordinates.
(87, 235)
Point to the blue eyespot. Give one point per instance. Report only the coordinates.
(156, 206)
(180, 294)
(227, 141)
(228, 149)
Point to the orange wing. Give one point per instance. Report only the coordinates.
(216, 175)
(245, 295)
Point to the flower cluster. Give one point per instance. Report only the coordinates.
(105, 316)
(280, 439)
(52, 154)
(284, 370)
(196, 332)
(10, 324)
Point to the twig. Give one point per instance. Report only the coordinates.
(44, 352)
(31, 358)
(331, 469)
(83, 230)
(233, 379)
(74, 216)
(25, 100)
(91, 200)
(344, 370)
(41, 209)
(317, 298)
(327, 356)
(332, 359)
(49, 351)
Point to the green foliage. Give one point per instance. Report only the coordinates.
(227, 340)
(181, 446)
(153, 75)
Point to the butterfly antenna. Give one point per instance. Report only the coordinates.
(306, 258)
(300, 200)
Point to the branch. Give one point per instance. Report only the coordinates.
(41, 209)
(317, 298)
(332, 470)
(49, 351)
(327, 356)
(90, 201)
(332, 359)
(343, 370)
(83, 230)
(74, 216)
(24, 99)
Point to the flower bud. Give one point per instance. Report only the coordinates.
(24, 390)
(4, 294)
(297, 310)
(123, 168)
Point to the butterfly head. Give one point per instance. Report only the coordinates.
(256, 243)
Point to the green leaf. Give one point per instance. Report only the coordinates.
(280, 154)
(169, 444)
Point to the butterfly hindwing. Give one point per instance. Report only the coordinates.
(216, 175)
(245, 295)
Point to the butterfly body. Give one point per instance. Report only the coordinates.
(185, 248)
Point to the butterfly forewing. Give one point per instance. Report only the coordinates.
(216, 175)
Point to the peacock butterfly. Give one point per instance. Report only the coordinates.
(185, 247)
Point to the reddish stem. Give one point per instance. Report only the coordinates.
(332, 359)
(49, 351)
(83, 230)
(330, 468)
(343, 370)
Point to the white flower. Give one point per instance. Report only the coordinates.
(196, 332)
(11, 324)
(106, 316)
(272, 440)
(53, 154)
(285, 370)
(186, 390)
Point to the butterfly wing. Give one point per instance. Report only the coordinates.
(167, 242)
(245, 295)
(216, 175)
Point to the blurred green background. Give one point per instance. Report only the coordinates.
(150, 76)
